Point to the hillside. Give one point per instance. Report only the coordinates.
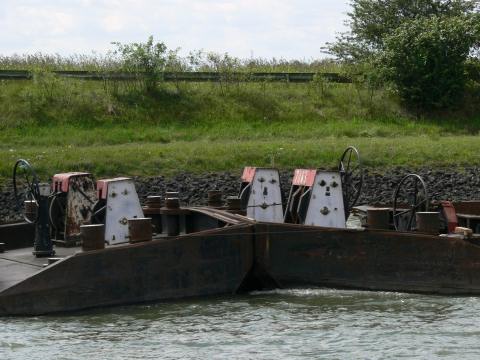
(114, 127)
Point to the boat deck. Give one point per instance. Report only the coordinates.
(17, 265)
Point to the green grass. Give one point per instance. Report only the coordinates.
(202, 155)
(116, 129)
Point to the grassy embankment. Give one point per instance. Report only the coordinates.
(117, 129)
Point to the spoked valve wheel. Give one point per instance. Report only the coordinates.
(56, 212)
(410, 197)
(351, 174)
(25, 188)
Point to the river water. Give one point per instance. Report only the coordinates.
(282, 324)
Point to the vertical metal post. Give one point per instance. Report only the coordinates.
(43, 246)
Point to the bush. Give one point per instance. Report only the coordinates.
(147, 60)
(426, 60)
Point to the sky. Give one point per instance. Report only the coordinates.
(290, 29)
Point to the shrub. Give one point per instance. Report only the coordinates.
(146, 60)
(426, 59)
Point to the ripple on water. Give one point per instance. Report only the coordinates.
(279, 324)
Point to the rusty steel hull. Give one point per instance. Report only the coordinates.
(215, 262)
(245, 257)
(370, 260)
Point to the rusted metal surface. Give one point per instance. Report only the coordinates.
(234, 206)
(71, 206)
(172, 200)
(173, 216)
(378, 218)
(93, 237)
(248, 174)
(372, 260)
(304, 177)
(468, 214)
(171, 224)
(81, 198)
(215, 198)
(202, 264)
(154, 202)
(139, 230)
(61, 182)
(241, 256)
(467, 207)
(228, 218)
(234, 203)
(450, 215)
(174, 211)
(172, 203)
(152, 207)
(428, 222)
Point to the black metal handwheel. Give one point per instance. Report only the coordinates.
(351, 174)
(410, 197)
(25, 188)
(56, 212)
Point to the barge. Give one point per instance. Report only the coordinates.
(82, 254)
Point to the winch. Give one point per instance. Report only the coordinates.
(325, 198)
(117, 203)
(261, 195)
(71, 206)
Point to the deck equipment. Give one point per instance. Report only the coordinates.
(261, 195)
(32, 198)
(325, 198)
(117, 202)
(71, 206)
(410, 197)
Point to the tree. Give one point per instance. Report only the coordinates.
(425, 59)
(371, 21)
(419, 46)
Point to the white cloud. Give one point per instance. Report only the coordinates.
(29, 21)
(114, 22)
(281, 28)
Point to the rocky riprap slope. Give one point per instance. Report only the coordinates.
(443, 184)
